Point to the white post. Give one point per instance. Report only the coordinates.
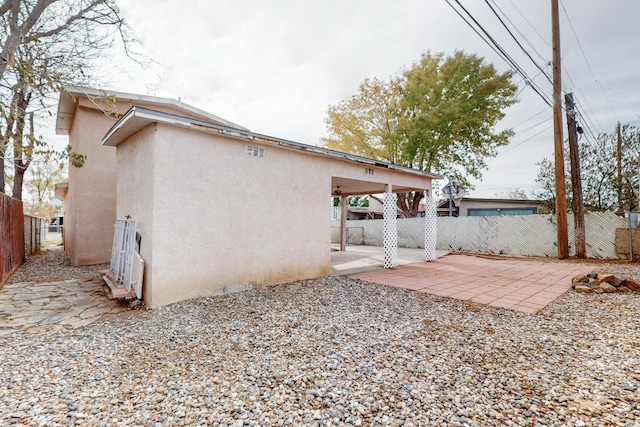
(343, 222)
(390, 228)
(430, 228)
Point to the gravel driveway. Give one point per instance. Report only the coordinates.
(333, 351)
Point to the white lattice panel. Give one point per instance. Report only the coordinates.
(430, 229)
(526, 235)
(390, 230)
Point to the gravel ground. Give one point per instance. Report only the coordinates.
(53, 265)
(335, 351)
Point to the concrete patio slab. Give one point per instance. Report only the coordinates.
(521, 285)
(357, 259)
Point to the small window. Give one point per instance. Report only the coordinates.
(368, 171)
(255, 151)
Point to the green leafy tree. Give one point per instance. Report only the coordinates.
(46, 44)
(366, 124)
(599, 177)
(358, 201)
(450, 107)
(40, 186)
(438, 116)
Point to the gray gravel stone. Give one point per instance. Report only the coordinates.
(334, 351)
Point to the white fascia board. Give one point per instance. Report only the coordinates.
(133, 121)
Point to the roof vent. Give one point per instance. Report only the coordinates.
(255, 151)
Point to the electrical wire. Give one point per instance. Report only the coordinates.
(520, 132)
(586, 119)
(530, 24)
(526, 52)
(587, 60)
(546, 110)
(502, 53)
(511, 147)
(515, 27)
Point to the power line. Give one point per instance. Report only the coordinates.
(520, 32)
(587, 61)
(532, 117)
(520, 132)
(530, 24)
(517, 41)
(526, 140)
(502, 53)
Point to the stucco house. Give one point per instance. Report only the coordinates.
(469, 206)
(86, 114)
(188, 182)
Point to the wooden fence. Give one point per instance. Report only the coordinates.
(11, 235)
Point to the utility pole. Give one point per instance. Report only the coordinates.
(619, 177)
(577, 204)
(561, 192)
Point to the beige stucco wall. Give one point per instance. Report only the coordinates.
(90, 203)
(221, 220)
(90, 209)
(135, 191)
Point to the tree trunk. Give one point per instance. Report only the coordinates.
(409, 203)
(21, 160)
(18, 179)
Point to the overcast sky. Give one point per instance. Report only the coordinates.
(275, 66)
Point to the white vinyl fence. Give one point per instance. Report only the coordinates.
(526, 235)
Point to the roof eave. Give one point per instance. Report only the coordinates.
(69, 94)
(137, 118)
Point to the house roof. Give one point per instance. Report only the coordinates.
(445, 202)
(70, 94)
(506, 201)
(138, 118)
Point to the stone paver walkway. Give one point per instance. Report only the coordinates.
(519, 285)
(39, 307)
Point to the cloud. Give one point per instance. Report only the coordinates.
(276, 66)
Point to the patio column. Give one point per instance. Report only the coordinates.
(343, 222)
(390, 228)
(430, 228)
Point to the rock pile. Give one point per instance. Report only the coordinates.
(603, 283)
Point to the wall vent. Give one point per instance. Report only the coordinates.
(368, 171)
(255, 151)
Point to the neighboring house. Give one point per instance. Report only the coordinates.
(89, 197)
(187, 183)
(373, 211)
(468, 206)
